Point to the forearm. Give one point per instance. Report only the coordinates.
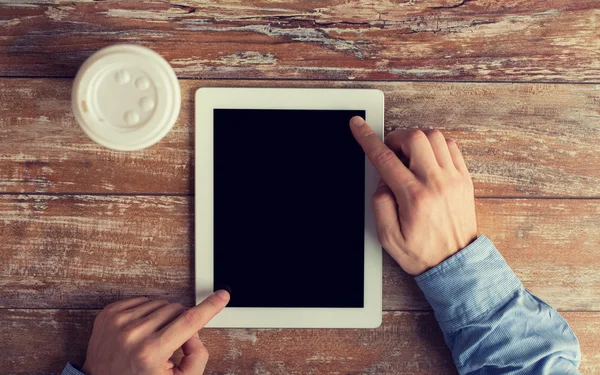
(491, 323)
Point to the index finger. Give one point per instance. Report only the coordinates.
(390, 168)
(192, 320)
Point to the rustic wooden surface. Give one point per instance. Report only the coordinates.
(406, 343)
(79, 251)
(539, 140)
(483, 40)
(517, 83)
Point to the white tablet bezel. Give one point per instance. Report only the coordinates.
(207, 99)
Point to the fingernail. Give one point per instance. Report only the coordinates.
(357, 121)
(223, 294)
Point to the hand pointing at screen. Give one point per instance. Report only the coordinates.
(425, 219)
(139, 336)
(425, 212)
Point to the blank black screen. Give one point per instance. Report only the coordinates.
(288, 208)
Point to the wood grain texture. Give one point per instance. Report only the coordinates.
(518, 139)
(88, 251)
(484, 40)
(70, 246)
(406, 343)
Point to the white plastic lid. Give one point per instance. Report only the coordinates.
(126, 97)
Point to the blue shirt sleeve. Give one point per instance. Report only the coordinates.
(71, 370)
(491, 323)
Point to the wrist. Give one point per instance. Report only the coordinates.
(434, 258)
(452, 250)
(469, 283)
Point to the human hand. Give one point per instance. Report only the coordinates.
(424, 213)
(139, 336)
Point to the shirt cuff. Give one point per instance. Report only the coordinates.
(71, 370)
(470, 283)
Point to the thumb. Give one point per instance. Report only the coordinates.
(195, 357)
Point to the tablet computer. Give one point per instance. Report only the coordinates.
(282, 200)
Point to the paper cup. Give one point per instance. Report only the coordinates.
(126, 97)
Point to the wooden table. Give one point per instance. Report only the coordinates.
(517, 83)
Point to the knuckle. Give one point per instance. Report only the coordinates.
(378, 198)
(213, 305)
(439, 181)
(145, 354)
(421, 198)
(190, 318)
(381, 195)
(384, 156)
(203, 353)
(434, 134)
(415, 135)
(177, 307)
(109, 309)
(414, 191)
(394, 136)
(366, 131)
(125, 338)
(116, 320)
(381, 202)
(159, 304)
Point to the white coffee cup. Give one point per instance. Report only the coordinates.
(126, 97)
